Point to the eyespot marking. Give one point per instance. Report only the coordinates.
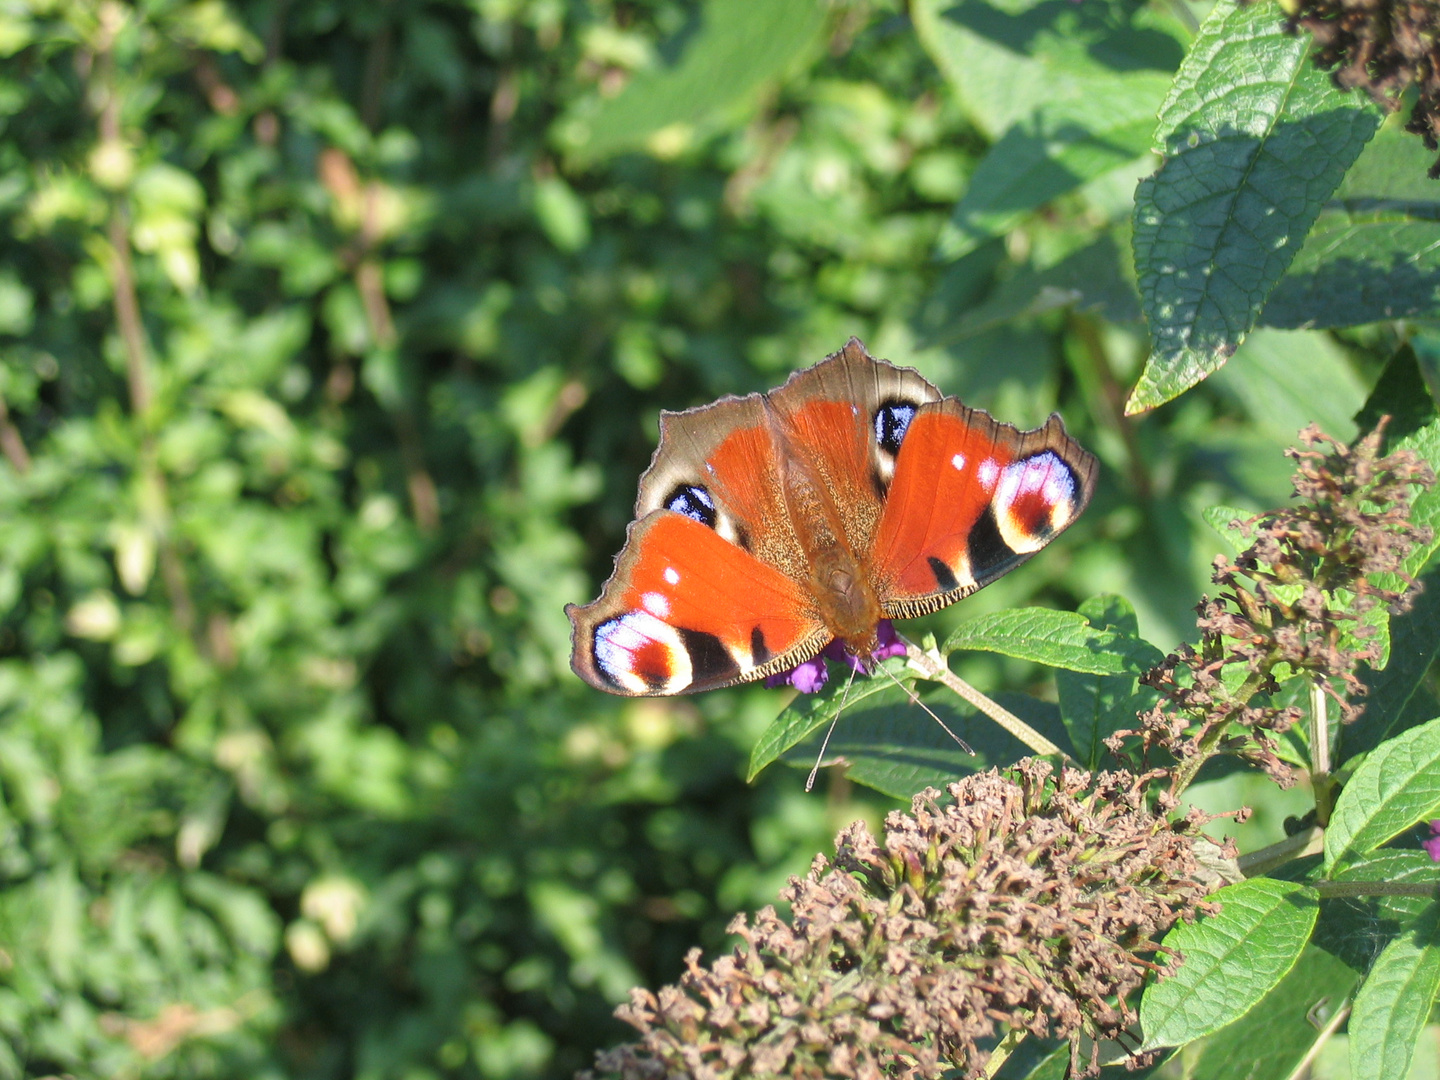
(988, 472)
(672, 576)
(656, 604)
(638, 654)
(1034, 500)
(959, 462)
(694, 502)
(892, 421)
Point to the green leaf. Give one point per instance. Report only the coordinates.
(1046, 53)
(1414, 644)
(1425, 510)
(1220, 518)
(1374, 252)
(1397, 786)
(1055, 150)
(1368, 926)
(887, 740)
(1060, 639)
(1274, 1037)
(1232, 960)
(1426, 345)
(1360, 268)
(889, 744)
(1255, 139)
(1095, 706)
(738, 50)
(809, 713)
(1082, 87)
(1394, 1001)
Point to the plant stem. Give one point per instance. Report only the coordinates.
(1013, 1038)
(1306, 842)
(929, 664)
(1186, 771)
(11, 443)
(1332, 890)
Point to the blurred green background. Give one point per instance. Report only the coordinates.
(332, 341)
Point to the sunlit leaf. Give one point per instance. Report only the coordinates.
(1255, 139)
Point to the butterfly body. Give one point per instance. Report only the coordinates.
(769, 525)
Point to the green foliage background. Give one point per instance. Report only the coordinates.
(332, 339)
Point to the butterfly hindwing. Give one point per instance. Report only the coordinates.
(971, 499)
(687, 610)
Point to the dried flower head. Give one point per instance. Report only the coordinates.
(1031, 901)
(1295, 601)
(1381, 47)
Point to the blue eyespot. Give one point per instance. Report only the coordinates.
(693, 501)
(892, 420)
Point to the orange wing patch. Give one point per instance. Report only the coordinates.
(971, 499)
(687, 610)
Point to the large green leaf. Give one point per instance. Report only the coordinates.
(888, 743)
(1274, 1037)
(1396, 787)
(1374, 252)
(1045, 52)
(737, 51)
(1394, 1001)
(1255, 140)
(1060, 639)
(1232, 960)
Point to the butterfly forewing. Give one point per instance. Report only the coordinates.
(971, 499)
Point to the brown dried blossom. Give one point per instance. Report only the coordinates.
(1381, 47)
(1295, 602)
(1029, 902)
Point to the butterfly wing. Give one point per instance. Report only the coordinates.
(845, 418)
(971, 499)
(706, 592)
(687, 610)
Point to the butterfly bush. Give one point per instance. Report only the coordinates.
(1295, 601)
(1034, 901)
(1030, 899)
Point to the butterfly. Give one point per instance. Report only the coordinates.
(771, 526)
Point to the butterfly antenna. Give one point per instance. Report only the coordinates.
(911, 694)
(810, 782)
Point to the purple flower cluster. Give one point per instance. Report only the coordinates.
(812, 675)
(1432, 846)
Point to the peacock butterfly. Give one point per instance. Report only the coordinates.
(772, 527)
